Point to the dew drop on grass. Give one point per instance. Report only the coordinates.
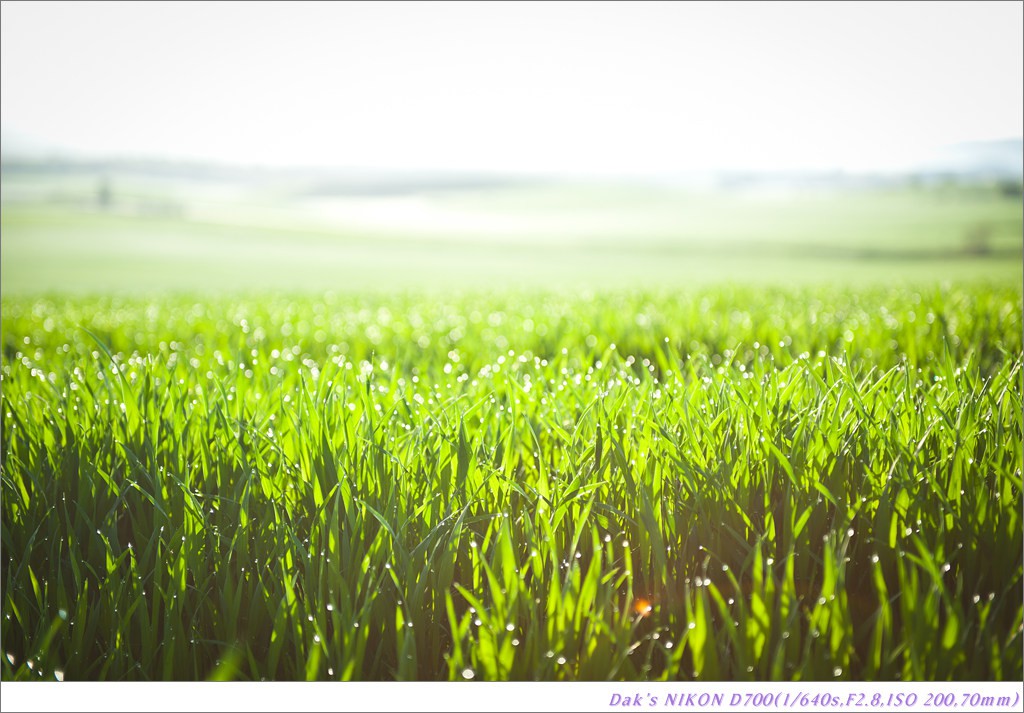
(510, 627)
(58, 674)
(560, 660)
(316, 638)
(467, 673)
(692, 625)
(515, 642)
(837, 672)
(330, 607)
(330, 671)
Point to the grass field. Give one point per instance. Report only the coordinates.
(590, 460)
(209, 240)
(741, 484)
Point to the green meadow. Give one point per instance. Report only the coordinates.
(175, 236)
(648, 435)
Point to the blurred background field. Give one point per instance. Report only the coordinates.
(158, 227)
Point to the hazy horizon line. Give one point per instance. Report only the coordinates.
(39, 152)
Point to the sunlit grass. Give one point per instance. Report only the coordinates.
(732, 484)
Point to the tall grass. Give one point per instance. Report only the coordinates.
(745, 485)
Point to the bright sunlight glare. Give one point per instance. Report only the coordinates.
(570, 87)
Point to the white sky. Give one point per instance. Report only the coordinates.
(581, 87)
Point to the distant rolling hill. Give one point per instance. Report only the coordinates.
(998, 160)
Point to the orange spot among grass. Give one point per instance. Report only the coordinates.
(643, 607)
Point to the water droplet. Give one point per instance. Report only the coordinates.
(669, 644)
(58, 674)
(330, 607)
(316, 638)
(560, 660)
(510, 627)
(515, 642)
(692, 625)
(837, 671)
(467, 673)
